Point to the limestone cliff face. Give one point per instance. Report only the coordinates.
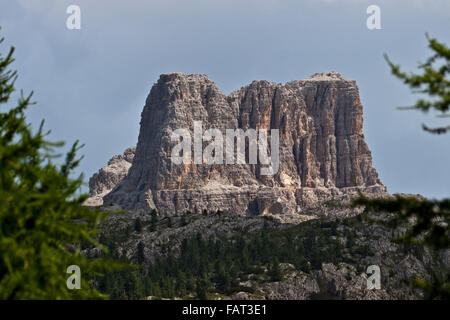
(322, 149)
(103, 181)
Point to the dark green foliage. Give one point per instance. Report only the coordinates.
(426, 221)
(153, 221)
(42, 222)
(205, 265)
(138, 225)
(201, 289)
(154, 214)
(426, 224)
(434, 82)
(140, 253)
(324, 293)
(275, 272)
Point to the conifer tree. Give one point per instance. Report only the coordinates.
(42, 221)
(426, 221)
(138, 225)
(140, 253)
(153, 221)
(275, 272)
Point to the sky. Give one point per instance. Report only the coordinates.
(91, 84)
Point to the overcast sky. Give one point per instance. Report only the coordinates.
(91, 84)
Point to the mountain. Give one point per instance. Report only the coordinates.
(266, 229)
(322, 153)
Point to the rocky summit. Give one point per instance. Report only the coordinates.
(322, 151)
